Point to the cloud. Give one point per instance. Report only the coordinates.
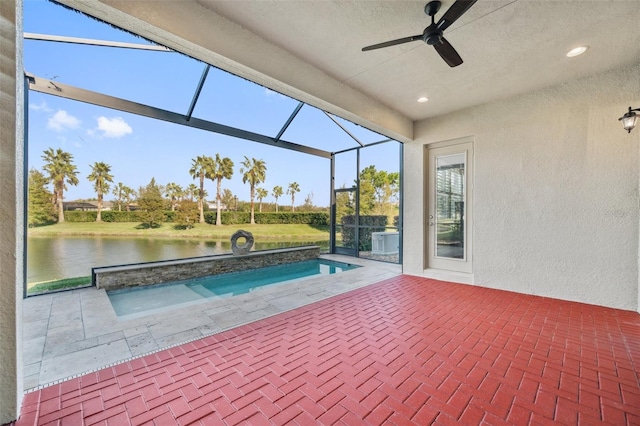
(113, 127)
(62, 120)
(42, 106)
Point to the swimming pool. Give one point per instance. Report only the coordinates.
(132, 302)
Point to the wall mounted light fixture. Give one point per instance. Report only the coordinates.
(630, 119)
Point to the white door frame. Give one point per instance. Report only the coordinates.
(433, 261)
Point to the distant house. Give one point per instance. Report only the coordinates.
(213, 206)
(79, 206)
(86, 206)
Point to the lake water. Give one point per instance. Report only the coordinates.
(52, 258)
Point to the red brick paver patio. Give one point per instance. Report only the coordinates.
(404, 351)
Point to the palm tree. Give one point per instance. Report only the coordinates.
(277, 193)
(180, 195)
(118, 192)
(128, 195)
(261, 193)
(173, 191)
(61, 170)
(202, 168)
(191, 191)
(100, 176)
(227, 199)
(223, 169)
(255, 172)
(292, 189)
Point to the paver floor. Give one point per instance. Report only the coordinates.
(407, 350)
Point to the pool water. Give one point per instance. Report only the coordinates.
(145, 300)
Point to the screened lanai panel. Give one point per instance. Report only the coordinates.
(140, 148)
(345, 174)
(137, 148)
(312, 127)
(380, 180)
(236, 102)
(164, 80)
(380, 228)
(363, 134)
(384, 156)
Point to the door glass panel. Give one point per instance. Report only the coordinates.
(450, 198)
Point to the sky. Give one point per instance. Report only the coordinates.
(139, 148)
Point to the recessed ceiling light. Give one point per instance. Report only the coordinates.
(577, 51)
(423, 99)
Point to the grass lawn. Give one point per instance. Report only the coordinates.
(167, 230)
(62, 284)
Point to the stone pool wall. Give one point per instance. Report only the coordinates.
(114, 277)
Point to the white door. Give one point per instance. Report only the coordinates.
(448, 218)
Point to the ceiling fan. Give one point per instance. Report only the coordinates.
(433, 34)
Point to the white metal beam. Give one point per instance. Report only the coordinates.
(94, 42)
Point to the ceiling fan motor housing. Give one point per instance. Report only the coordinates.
(432, 35)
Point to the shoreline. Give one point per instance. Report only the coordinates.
(274, 232)
(112, 233)
(210, 237)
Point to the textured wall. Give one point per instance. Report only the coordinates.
(11, 205)
(111, 278)
(556, 191)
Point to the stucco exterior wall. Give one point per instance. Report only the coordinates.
(555, 191)
(11, 205)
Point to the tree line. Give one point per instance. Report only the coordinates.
(60, 171)
(378, 190)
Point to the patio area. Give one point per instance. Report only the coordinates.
(71, 333)
(406, 350)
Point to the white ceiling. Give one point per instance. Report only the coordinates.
(508, 46)
(311, 49)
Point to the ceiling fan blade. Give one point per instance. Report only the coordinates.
(454, 12)
(393, 42)
(448, 53)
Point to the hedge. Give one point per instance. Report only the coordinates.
(228, 218)
(368, 224)
(79, 216)
(270, 218)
